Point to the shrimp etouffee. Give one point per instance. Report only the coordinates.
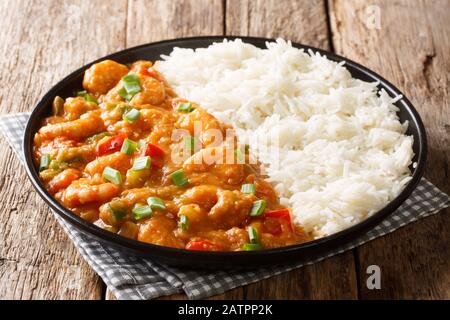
(128, 155)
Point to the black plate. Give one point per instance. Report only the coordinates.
(183, 257)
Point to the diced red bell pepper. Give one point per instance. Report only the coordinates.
(148, 72)
(143, 71)
(203, 245)
(283, 214)
(111, 145)
(272, 225)
(154, 151)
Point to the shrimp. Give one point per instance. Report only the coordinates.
(84, 153)
(218, 161)
(81, 192)
(84, 127)
(153, 92)
(103, 76)
(63, 180)
(75, 107)
(219, 203)
(117, 160)
(202, 124)
(159, 230)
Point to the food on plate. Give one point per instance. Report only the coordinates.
(129, 155)
(332, 145)
(225, 148)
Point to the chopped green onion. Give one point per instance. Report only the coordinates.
(86, 96)
(184, 222)
(239, 155)
(189, 143)
(185, 107)
(117, 213)
(179, 178)
(113, 229)
(142, 163)
(75, 159)
(142, 212)
(248, 188)
(58, 165)
(258, 208)
(97, 137)
(251, 247)
(131, 86)
(58, 106)
(156, 203)
(110, 105)
(132, 116)
(253, 234)
(124, 94)
(128, 146)
(123, 107)
(45, 162)
(112, 175)
(142, 143)
(130, 78)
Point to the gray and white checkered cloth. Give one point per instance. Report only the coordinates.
(132, 277)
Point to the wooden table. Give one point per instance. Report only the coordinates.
(42, 41)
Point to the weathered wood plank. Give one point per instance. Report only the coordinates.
(154, 20)
(306, 22)
(302, 21)
(410, 49)
(41, 43)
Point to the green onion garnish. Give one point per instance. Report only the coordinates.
(97, 137)
(118, 213)
(58, 165)
(86, 96)
(184, 222)
(179, 178)
(156, 203)
(258, 208)
(132, 116)
(142, 163)
(142, 212)
(248, 188)
(253, 234)
(112, 175)
(185, 107)
(131, 86)
(239, 156)
(251, 247)
(45, 162)
(189, 143)
(124, 94)
(128, 146)
(130, 78)
(142, 143)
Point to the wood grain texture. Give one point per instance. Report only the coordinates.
(303, 21)
(306, 22)
(41, 43)
(153, 20)
(410, 49)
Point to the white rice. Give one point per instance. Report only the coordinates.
(342, 153)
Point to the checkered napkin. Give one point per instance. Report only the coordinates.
(132, 277)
